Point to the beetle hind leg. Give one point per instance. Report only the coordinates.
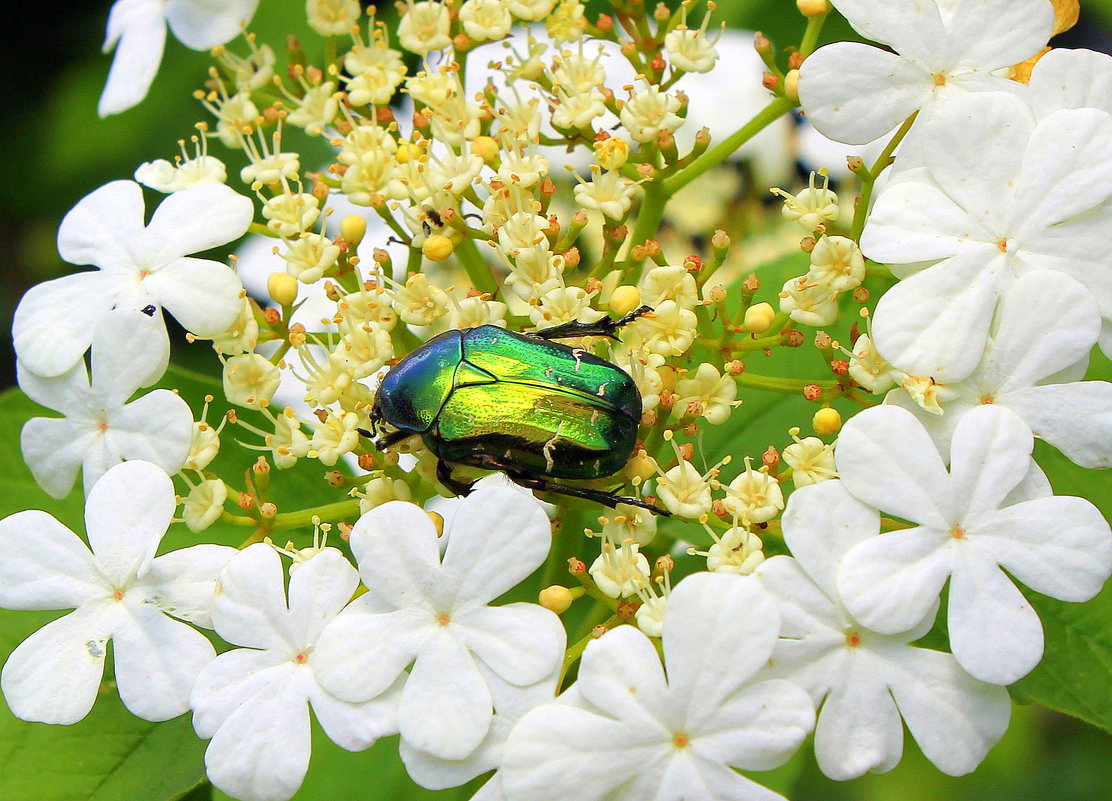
(605, 327)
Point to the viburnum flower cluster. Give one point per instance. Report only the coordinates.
(527, 171)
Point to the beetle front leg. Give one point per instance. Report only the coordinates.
(393, 438)
(530, 481)
(444, 476)
(603, 328)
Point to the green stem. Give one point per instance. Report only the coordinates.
(328, 512)
(811, 35)
(259, 228)
(861, 211)
(477, 268)
(724, 149)
(650, 214)
(790, 386)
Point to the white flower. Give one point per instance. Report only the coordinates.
(332, 17)
(1036, 354)
(137, 30)
(100, 428)
(648, 112)
(1012, 194)
(868, 680)
(808, 302)
(432, 611)
(837, 263)
(118, 591)
(424, 27)
(139, 266)
(855, 93)
(964, 532)
(707, 394)
(162, 176)
(625, 733)
(254, 701)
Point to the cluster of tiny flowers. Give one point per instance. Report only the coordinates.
(519, 174)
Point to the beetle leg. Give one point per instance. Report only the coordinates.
(393, 438)
(610, 499)
(444, 475)
(603, 328)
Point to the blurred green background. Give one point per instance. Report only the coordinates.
(56, 151)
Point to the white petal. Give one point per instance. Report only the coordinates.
(522, 643)
(360, 654)
(197, 219)
(55, 320)
(935, 323)
(439, 774)
(854, 93)
(138, 54)
(912, 222)
(183, 583)
(1066, 78)
(130, 350)
(1059, 546)
(989, 455)
(912, 27)
(446, 707)
(104, 227)
(67, 393)
(812, 627)
(497, 538)
(954, 718)
(1068, 247)
(621, 675)
(1065, 169)
(717, 781)
(355, 727)
(859, 729)
(1027, 348)
(1106, 338)
(758, 728)
(1074, 418)
(250, 606)
(126, 515)
(396, 547)
(55, 450)
(939, 426)
(998, 33)
(261, 752)
(53, 675)
(157, 659)
(979, 179)
(203, 295)
(204, 24)
(319, 589)
(157, 428)
(228, 681)
(719, 630)
(887, 460)
(994, 633)
(890, 582)
(45, 565)
(558, 752)
(821, 523)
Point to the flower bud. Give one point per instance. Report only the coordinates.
(352, 229)
(557, 599)
(812, 8)
(282, 287)
(812, 392)
(791, 86)
(624, 299)
(437, 247)
(486, 148)
(758, 318)
(827, 422)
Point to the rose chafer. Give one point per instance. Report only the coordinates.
(523, 404)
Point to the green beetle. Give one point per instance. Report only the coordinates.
(533, 408)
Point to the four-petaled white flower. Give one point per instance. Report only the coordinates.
(254, 701)
(100, 428)
(1033, 363)
(865, 681)
(854, 93)
(119, 591)
(433, 613)
(1014, 194)
(137, 30)
(966, 530)
(139, 266)
(625, 733)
